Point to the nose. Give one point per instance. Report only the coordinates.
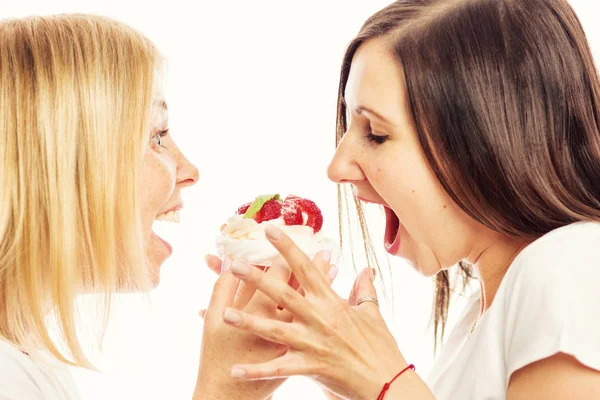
(187, 173)
(344, 166)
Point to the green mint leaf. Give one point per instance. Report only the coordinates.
(258, 204)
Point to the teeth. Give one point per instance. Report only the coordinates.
(171, 216)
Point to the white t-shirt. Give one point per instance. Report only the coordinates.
(547, 303)
(33, 378)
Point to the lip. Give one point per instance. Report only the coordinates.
(175, 208)
(391, 239)
(369, 201)
(164, 242)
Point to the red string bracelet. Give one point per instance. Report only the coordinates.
(387, 385)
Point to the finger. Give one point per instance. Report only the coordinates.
(244, 294)
(331, 274)
(302, 266)
(289, 364)
(268, 329)
(364, 289)
(355, 287)
(214, 263)
(246, 291)
(277, 290)
(263, 303)
(323, 262)
(329, 271)
(223, 294)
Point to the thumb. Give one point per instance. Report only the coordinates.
(214, 263)
(222, 296)
(364, 291)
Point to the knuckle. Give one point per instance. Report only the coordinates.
(247, 322)
(287, 297)
(318, 368)
(339, 308)
(219, 285)
(277, 333)
(278, 371)
(246, 287)
(339, 312)
(257, 278)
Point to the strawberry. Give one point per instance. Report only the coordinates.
(308, 207)
(292, 214)
(270, 210)
(242, 210)
(315, 218)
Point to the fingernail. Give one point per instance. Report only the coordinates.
(273, 232)
(202, 313)
(326, 254)
(373, 274)
(333, 271)
(232, 317)
(237, 373)
(225, 265)
(240, 268)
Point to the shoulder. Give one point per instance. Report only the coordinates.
(18, 375)
(549, 298)
(565, 255)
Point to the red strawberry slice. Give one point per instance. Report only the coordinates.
(270, 210)
(315, 218)
(242, 210)
(292, 214)
(312, 211)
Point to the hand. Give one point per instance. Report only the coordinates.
(223, 345)
(344, 346)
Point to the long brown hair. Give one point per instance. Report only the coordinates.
(504, 95)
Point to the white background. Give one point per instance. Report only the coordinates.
(252, 94)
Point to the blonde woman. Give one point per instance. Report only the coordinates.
(87, 163)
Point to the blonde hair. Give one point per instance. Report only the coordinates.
(75, 99)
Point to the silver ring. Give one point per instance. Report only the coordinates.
(367, 298)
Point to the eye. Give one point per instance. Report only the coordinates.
(157, 139)
(379, 139)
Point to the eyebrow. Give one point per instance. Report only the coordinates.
(361, 109)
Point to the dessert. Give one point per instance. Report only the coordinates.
(243, 235)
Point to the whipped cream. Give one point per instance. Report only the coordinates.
(244, 238)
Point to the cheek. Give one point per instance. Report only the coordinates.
(432, 234)
(405, 181)
(157, 184)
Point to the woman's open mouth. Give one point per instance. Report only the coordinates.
(171, 216)
(392, 231)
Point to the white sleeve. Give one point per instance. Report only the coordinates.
(553, 301)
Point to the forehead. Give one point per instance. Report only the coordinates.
(376, 78)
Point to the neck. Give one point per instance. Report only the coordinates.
(493, 262)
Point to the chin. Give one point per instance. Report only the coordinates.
(427, 265)
(157, 252)
(153, 266)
